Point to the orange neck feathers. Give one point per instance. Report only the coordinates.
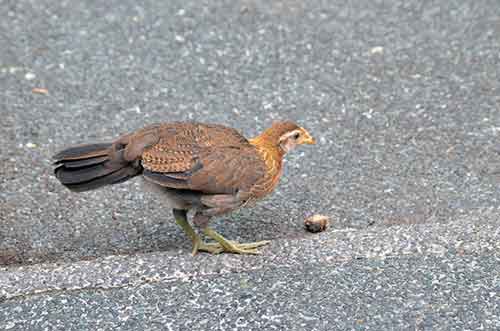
(270, 138)
(268, 146)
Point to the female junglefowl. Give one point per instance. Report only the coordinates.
(210, 169)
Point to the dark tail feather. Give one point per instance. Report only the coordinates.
(87, 167)
(81, 152)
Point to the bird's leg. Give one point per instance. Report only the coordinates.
(232, 246)
(227, 245)
(198, 245)
(181, 219)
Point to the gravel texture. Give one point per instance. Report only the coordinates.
(403, 98)
(415, 277)
(410, 293)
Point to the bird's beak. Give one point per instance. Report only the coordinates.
(308, 139)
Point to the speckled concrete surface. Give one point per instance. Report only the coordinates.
(403, 277)
(402, 96)
(463, 237)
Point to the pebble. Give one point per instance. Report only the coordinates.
(316, 223)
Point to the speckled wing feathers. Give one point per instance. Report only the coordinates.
(228, 170)
(212, 159)
(180, 143)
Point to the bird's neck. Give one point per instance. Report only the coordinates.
(268, 145)
(272, 154)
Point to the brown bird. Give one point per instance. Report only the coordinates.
(210, 169)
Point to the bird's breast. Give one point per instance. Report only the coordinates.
(274, 169)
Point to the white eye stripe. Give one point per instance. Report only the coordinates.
(295, 134)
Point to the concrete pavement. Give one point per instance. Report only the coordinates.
(402, 96)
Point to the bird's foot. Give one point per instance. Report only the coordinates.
(231, 247)
(228, 246)
(244, 248)
(200, 246)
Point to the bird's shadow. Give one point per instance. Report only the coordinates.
(162, 235)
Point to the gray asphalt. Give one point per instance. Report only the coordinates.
(402, 96)
(442, 279)
(401, 294)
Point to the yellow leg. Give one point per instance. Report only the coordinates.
(234, 247)
(198, 244)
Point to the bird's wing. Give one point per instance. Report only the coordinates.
(170, 147)
(215, 170)
(177, 144)
(212, 159)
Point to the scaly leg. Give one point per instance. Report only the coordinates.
(232, 246)
(201, 219)
(198, 245)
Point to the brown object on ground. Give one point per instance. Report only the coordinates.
(39, 90)
(316, 223)
(211, 169)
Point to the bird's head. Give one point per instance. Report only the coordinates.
(285, 135)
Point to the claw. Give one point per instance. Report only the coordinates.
(200, 246)
(235, 247)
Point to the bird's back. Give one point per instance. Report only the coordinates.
(177, 145)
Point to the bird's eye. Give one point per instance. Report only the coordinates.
(296, 136)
